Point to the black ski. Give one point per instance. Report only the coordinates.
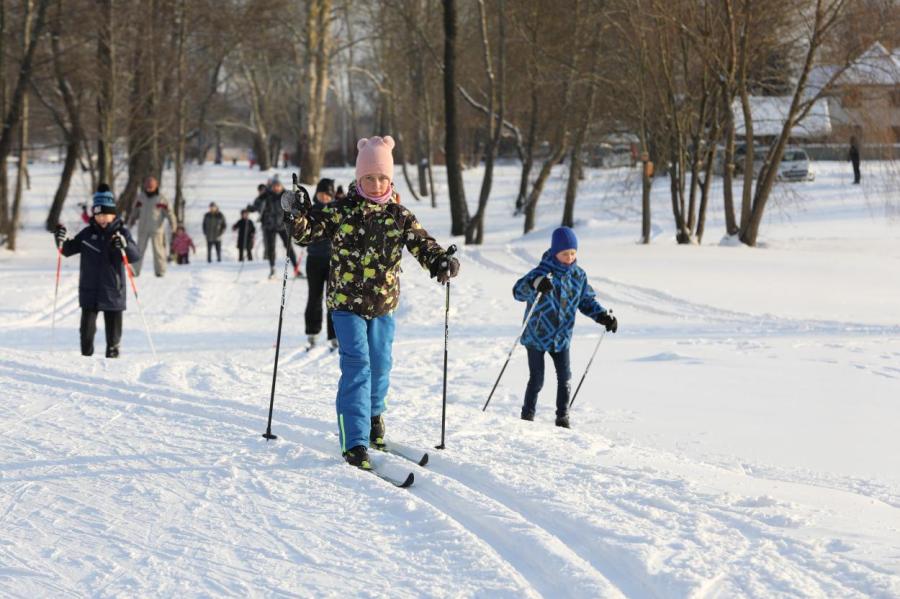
(386, 448)
(402, 484)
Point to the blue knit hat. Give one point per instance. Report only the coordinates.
(563, 239)
(104, 203)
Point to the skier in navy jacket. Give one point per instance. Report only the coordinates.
(565, 291)
(101, 284)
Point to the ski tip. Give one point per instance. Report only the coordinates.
(408, 482)
(424, 460)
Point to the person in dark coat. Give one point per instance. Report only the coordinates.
(853, 156)
(271, 219)
(213, 227)
(246, 231)
(318, 270)
(102, 280)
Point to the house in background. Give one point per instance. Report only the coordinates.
(865, 98)
(769, 114)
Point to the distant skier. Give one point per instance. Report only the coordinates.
(213, 227)
(102, 279)
(566, 291)
(268, 204)
(152, 213)
(182, 246)
(368, 231)
(853, 157)
(246, 231)
(318, 258)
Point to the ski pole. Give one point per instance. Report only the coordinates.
(56, 293)
(287, 261)
(450, 251)
(138, 301)
(512, 349)
(268, 434)
(588, 367)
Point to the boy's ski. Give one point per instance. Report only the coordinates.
(421, 460)
(397, 482)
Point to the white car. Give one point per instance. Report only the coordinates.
(795, 166)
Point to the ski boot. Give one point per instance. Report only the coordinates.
(358, 456)
(311, 342)
(562, 421)
(112, 352)
(376, 434)
(334, 344)
(528, 417)
(271, 272)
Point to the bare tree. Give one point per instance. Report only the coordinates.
(496, 102)
(33, 25)
(459, 210)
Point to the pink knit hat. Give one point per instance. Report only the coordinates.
(375, 157)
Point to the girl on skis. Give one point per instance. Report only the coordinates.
(368, 230)
(561, 289)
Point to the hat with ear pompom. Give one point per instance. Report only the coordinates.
(375, 157)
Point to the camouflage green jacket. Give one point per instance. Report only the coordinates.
(367, 242)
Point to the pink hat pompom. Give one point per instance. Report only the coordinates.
(375, 157)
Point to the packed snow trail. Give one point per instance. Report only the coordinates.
(721, 447)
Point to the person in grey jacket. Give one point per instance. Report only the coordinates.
(152, 212)
(213, 227)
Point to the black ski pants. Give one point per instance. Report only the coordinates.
(112, 320)
(269, 238)
(317, 272)
(209, 248)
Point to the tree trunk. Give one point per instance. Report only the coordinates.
(180, 117)
(106, 94)
(459, 210)
(646, 186)
(528, 161)
(475, 228)
(13, 113)
(4, 183)
(315, 89)
(74, 134)
(22, 170)
(538, 188)
(73, 150)
(704, 191)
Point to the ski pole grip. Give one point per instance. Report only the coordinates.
(450, 250)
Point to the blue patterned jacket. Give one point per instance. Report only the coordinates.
(550, 327)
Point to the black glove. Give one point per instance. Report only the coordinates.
(444, 268)
(295, 204)
(609, 321)
(118, 240)
(60, 234)
(542, 284)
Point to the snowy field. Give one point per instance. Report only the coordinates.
(739, 436)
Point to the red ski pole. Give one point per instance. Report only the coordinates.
(56, 293)
(137, 300)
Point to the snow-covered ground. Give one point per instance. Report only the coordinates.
(739, 436)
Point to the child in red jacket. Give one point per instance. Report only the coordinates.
(182, 245)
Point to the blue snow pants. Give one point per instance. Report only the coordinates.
(365, 351)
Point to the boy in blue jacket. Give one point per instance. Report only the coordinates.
(101, 283)
(563, 289)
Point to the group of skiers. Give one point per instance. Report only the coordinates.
(355, 244)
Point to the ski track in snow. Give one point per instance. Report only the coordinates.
(150, 477)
